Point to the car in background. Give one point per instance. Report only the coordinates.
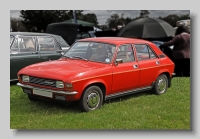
(28, 48)
(97, 69)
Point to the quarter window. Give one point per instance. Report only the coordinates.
(47, 44)
(144, 52)
(23, 44)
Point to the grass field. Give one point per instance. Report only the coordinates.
(142, 111)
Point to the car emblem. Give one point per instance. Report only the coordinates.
(48, 82)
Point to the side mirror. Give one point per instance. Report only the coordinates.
(118, 61)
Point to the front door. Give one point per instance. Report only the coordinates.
(48, 48)
(125, 74)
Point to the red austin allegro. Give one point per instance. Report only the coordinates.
(96, 69)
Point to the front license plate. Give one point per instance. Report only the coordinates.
(42, 93)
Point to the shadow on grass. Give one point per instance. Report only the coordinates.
(126, 97)
(73, 107)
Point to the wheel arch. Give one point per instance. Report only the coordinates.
(100, 85)
(168, 77)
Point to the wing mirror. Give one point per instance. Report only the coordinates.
(118, 61)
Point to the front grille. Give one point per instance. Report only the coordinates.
(42, 81)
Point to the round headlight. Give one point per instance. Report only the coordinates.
(59, 84)
(25, 78)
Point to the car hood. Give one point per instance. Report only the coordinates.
(62, 69)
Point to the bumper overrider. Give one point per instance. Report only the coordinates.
(48, 93)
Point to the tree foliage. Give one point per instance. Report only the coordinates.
(173, 18)
(116, 20)
(144, 13)
(17, 25)
(37, 20)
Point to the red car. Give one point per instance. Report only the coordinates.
(96, 69)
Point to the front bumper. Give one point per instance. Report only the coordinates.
(173, 75)
(47, 90)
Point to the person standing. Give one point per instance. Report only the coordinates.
(181, 51)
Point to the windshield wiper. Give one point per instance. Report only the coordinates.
(80, 58)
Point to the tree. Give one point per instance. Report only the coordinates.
(173, 18)
(37, 20)
(144, 13)
(115, 20)
(90, 17)
(17, 25)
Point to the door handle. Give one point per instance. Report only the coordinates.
(135, 66)
(157, 62)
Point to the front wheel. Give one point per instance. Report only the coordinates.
(161, 84)
(92, 98)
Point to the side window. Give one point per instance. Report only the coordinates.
(47, 44)
(152, 55)
(144, 52)
(14, 47)
(125, 52)
(26, 44)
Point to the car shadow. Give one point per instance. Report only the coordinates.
(126, 97)
(13, 83)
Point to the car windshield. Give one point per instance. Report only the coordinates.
(93, 51)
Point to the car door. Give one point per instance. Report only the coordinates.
(126, 73)
(23, 53)
(149, 64)
(49, 49)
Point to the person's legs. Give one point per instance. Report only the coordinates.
(178, 67)
(186, 69)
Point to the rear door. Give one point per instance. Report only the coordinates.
(49, 49)
(149, 64)
(23, 53)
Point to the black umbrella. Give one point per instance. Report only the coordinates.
(147, 28)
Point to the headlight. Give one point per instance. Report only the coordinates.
(59, 84)
(25, 78)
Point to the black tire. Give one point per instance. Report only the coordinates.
(161, 84)
(92, 98)
(32, 98)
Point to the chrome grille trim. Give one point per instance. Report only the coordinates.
(42, 81)
(48, 90)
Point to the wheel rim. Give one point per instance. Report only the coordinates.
(93, 100)
(162, 84)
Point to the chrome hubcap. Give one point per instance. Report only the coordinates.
(93, 100)
(162, 85)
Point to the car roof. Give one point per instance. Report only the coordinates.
(115, 40)
(32, 34)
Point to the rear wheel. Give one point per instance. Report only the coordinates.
(92, 98)
(161, 84)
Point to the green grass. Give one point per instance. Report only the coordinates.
(142, 111)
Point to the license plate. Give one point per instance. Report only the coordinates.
(42, 93)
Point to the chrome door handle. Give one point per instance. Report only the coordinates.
(157, 62)
(135, 66)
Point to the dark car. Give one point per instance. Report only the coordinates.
(28, 48)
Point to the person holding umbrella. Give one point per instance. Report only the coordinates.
(181, 51)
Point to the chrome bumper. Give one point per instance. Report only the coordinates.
(173, 74)
(48, 90)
